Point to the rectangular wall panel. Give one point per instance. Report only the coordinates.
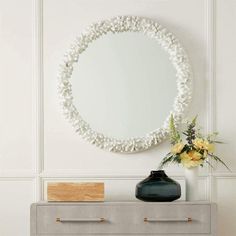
(16, 84)
(123, 189)
(65, 19)
(15, 199)
(116, 189)
(225, 80)
(226, 195)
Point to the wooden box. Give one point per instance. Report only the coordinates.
(72, 192)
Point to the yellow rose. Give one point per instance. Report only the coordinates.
(209, 146)
(199, 143)
(203, 144)
(194, 155)
(191, 159)
(177, 148)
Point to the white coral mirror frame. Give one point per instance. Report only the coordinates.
(177, 57)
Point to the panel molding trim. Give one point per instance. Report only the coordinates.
(38, 92)
(211, 99)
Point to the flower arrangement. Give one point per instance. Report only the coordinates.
(195, 151)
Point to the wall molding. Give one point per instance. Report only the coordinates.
(95, 173)
(85, 175)
(38, 92)
(17, 178)
(210, 78)
(223, 175)
(107, 177)
(17, 174)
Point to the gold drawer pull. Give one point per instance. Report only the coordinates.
(187, 219)
(80, 220)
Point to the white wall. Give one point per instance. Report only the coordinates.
(36, 143)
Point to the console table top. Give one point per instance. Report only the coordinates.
(126, 203)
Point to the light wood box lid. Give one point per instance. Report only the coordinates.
(73, 192)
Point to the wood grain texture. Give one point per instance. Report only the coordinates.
(75, 192)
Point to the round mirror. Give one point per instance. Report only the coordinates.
(124, 85)
(120, 82)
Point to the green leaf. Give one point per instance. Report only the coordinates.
(174, 134)
(210, 164)
(217, 159)
(190, 133)
(165, 161)
(193, 123)
(215, 141)
(177, 159)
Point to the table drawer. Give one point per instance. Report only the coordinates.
(123, 219)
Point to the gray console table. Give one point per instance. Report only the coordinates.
(123, 218)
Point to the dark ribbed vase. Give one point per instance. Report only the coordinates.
(158, 187)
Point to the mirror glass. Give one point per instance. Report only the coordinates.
(124, 85)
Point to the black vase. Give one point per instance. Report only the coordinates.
(158, 187)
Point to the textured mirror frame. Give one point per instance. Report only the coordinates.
(177, 56)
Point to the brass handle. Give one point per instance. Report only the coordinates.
(187, 219)
(79, 219)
